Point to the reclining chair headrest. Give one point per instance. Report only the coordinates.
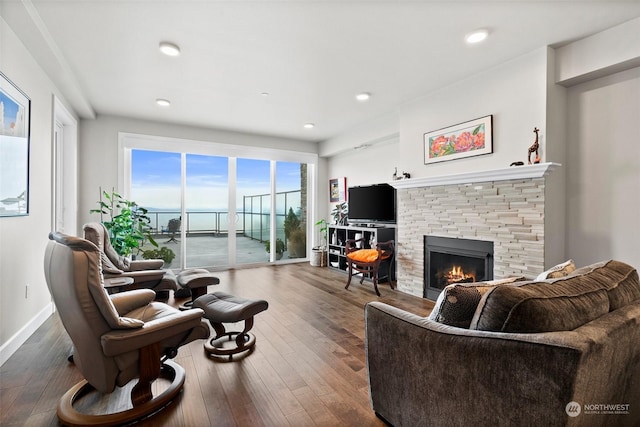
(74, 243)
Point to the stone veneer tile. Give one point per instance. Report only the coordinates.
(509, 213)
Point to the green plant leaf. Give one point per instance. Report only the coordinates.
(128, 224)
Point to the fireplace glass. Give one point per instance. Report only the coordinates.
(449, 261)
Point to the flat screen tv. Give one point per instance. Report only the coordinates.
(372, 204)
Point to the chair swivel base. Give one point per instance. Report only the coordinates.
(240, 342)
(70, 416)
(220, 308)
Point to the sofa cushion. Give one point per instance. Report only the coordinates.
(457, 303)
(559, 270)
(536, 306)
(620, 279)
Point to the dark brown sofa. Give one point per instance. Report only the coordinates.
(552, 352)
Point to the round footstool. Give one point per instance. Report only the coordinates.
(219, 308)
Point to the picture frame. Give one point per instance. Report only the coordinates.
(338, 190)
(468, 139)
(15, 123)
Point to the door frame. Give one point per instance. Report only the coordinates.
(129, 141)
(64, 170)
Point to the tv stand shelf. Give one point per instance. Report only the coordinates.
(339, 234)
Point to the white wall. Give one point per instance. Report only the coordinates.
(605, 53)
(380, 130)
(603, 170)
(555, 149)
(23, 239)
(373, 162)
(514, 93)
(371, 165)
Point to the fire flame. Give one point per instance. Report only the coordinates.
(456, 274)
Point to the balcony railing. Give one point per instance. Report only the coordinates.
(251, 222)
(197, 222)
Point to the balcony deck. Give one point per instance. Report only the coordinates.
(211, 251)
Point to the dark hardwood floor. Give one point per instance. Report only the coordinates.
(308, 367)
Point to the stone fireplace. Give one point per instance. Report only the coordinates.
(450, 260)
(507, 207)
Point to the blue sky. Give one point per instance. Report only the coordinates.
(155, 178)
(10, 112)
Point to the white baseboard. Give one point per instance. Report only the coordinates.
(19, 338)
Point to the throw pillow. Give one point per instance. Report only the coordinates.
(457, 303)
(559, 270)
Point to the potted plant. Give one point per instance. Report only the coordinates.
(127, 223)
(279, 247)
(319, 253)
(164, 253)
(340, 213)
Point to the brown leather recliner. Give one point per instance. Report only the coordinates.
(116, 338)
(145, 273)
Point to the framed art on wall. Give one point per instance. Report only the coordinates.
(15, 113)
(472, 138)
(338, 190)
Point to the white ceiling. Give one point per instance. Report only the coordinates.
(312, 57)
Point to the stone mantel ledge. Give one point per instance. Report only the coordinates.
(514, 172)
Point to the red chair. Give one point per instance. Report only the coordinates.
(367, 261)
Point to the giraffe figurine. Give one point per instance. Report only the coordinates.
(534, 148)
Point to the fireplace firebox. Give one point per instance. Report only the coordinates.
(450, 260)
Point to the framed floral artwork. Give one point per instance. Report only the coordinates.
(472, 138)
(15, 112)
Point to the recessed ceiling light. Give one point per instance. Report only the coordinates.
(476, 36)
(163, 102)
(169, 49)
(363, 97)
(309, 125)
(265, 94)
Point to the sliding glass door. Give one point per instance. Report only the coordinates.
(218, 211)
(253, 210)
(290, 208)
(156, 186)
(207, 211)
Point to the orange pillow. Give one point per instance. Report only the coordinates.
(364, 255)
